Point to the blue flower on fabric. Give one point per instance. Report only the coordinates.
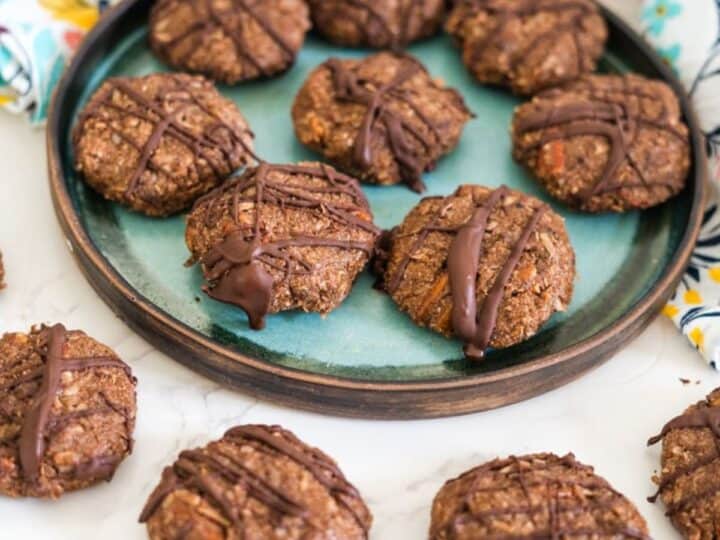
(658, 13)
(670, 55)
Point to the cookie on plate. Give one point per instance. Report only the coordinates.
(534, 496)
(382, 119)
(605, 143)
(256, 482)
(68, 412)
(383, 24)
(229, 40)
(282, 237)
(528, 45)
(690, 467)
(156, 143)
(489, 266)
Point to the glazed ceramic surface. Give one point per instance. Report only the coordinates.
(620, 258)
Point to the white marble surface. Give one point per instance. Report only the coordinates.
(604, 418)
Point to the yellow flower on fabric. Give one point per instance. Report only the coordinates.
(697, 337)
(75, 12)
(670, 311)
(692, 297)
(714, 274)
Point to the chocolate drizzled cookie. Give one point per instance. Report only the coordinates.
(533, 497)
(528, 45)
(156, 143)
(229, 40)
(67, 412)
(688, 481)
(487, 266)
(605, 142)
(256, 482)
(382, 24)
(381, 119)
(282, 237)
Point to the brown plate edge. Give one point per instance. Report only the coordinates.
(355, 398)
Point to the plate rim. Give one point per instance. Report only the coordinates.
(405, 399)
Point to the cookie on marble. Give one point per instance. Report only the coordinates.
(383, 24)
(534, 496)
(382, 119)
(488, 266)
(256, 482)
(690, 467)
(528, 45)
(156, 143)
(229, 40)
(605, 143)
(68, 412)
(282, 237)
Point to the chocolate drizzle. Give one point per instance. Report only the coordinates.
(549, 519)
(702, 416)
(209, 470)
(505, 12)
(220, 145)
(376, 27)
(238, 268)
(384, 120)
(472, 323)
(38, 421)
(210, 19)
(596, 113)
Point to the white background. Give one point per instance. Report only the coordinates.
(605, 418)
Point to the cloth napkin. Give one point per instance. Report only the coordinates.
(686, 33)
(36, 39)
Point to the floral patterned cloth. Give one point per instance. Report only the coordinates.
(36, 39)
(687, 35)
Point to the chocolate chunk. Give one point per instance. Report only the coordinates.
(282, 237)
(382, 119)
(534, 496)
(157, 143)
(487, 266)
(67, 412)
(688, 482)
(528, 45)
(229, 40)
(256, 482)
(605, 143)
(381, 24)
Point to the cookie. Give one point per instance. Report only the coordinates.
(282, 237)
(534, 496)
(2, 273)
(256, 482)
(156, 143)
(382, 119)
(489, 266)
(229, 40)
(528, 45)
(605, 143)
(384, 24)
(67, 412)
(690, 468)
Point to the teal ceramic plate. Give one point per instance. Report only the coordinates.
(366, 358)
